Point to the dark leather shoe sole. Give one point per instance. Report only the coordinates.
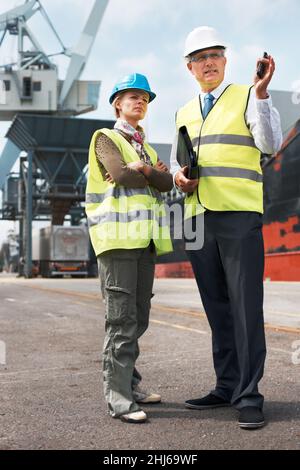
(206, 407)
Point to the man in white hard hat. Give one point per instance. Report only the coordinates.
(229, 126)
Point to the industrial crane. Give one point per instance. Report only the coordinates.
(31, 84)
(51, 145)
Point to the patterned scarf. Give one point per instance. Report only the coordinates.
(136, 137)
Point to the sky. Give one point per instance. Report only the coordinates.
(148, 37)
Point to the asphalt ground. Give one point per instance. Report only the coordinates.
(51, 383)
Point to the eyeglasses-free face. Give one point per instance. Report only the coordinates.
(202, 57)
(132, 106)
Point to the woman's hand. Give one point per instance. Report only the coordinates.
(161, 166)
(108, 178)
(137, 166)
(141, 167)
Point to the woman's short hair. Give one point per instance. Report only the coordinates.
(115, 101)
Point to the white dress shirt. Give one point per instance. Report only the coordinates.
(263, 121)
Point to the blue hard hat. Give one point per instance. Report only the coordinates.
(134, 81)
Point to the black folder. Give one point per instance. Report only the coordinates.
(186, 155)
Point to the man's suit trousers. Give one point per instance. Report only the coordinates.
(229, 274)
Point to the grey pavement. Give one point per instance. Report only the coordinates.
(51, 383)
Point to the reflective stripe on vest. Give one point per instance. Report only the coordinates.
(126, 217)
(229, 162)
(227, 139)
(227, 172)
(116, 192)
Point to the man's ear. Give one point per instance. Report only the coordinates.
(189, 66)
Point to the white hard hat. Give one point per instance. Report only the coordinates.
(200, 38)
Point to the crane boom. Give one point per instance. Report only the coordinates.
(25, 11)
(81, 52)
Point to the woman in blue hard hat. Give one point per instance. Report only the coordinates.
(128, 229)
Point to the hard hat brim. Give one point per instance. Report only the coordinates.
(150, 93)
(215, 46)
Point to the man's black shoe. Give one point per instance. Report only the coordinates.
(251, 417)
(210, 401)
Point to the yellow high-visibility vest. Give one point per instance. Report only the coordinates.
(121, 217)
(229, 162)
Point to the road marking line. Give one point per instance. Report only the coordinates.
(191, 313)
(48, 314)
(71, 293)
(30, 371)
(37, 377)
(281, 329)
(269, 326)
(280, 350)
(179, 327)
(296, 315)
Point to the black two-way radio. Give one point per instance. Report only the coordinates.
(261, 69)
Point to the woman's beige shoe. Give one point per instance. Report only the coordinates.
(135, 417)
(141, 396)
